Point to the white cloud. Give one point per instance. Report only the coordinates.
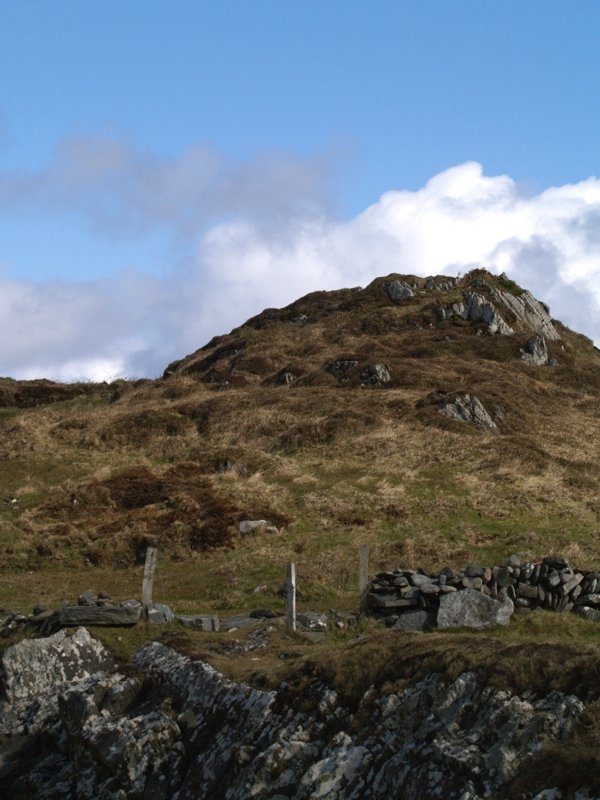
(259, 254)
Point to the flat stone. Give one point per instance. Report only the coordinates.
(472, 583)
(527, 590)
(588, 600)
(420, 580)
(474, 571)
(99, 615)
(568, 586)
(237, 621)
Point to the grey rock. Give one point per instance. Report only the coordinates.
(286, 378)
(158, 613)
(591, 614)
(342, 366)
(536, 352)
(478, 308)
(420, 580)
(376, 375)
(247, 526)
(398, 290)
(530, 312)
(383, 601)
(237, 621)
(588, 600)
(472, 609)
(203, 622)
(312, 621)
(414, 620)
(88, 598)
(35, 666)
(99, 615)
(430, 589)
(468, 408)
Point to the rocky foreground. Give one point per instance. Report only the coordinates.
(72, 726)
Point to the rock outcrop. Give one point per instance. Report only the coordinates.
(529, 311)
(179, 729)
(536, 352)
(468, 408)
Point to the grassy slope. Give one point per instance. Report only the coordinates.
(177, 462)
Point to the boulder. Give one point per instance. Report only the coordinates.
(376, 375)
(471, 609)
(468, 408)
(398, 290)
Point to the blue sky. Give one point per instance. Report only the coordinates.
(213, 158)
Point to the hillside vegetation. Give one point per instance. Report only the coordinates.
(292, 419)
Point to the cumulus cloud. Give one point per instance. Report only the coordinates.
(262, 234)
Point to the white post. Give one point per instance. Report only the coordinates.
(363, 574)
(149, 569)
(291, 595)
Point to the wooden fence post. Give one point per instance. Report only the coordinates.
(291, 595)
(363, 575)
(149, 569)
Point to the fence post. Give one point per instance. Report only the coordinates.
(363, 575)
(291, 595)
(149, 569)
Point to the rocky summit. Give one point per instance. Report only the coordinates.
(430, 423)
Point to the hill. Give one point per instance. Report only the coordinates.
(441, 420)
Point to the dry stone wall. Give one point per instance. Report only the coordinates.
(482, 596)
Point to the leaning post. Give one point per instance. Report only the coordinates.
(363, 575)
(149, 570)
(291, 595)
